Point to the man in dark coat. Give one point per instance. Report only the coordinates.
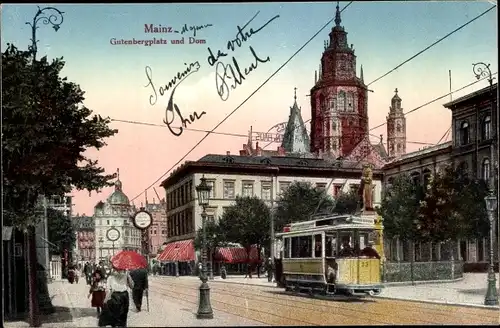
(140, 278)
(87, 270)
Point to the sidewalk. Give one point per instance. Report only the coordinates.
(469, 291)
(73, 310)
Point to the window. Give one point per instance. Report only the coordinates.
(350, 101)
(229, 189)
(334, 126)
(398, 127)
(399, 147)
(333, 103)
(318, 250)
(464, 133)
(286, 249)
(486, 170)
(211, 183)
(283, 187)
(247, 189)
(321, 186)
(487, 128)
(337, 189)
(301, 247)
(266, 190)
(342, 101)
(107, 222)
(330, 245)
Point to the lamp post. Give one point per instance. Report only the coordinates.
(491, 297)
(482, 70)
(204, 307)
(101, 241)
(176, 261)
(211, 268)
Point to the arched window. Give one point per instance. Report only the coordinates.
(399, 147)
(464, 133)
(486, 170)
(334, 126)
(333, 103)
(398, 127)
(341, 101)
(487, 128)
(350, 101)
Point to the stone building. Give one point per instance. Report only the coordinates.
(116, 212)
(85, 238)
(157, 232)
(473, 147)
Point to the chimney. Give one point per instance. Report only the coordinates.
(228, 153)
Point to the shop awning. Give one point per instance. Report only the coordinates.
(182, 251)
(235, 255)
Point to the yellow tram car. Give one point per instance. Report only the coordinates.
(331, 255)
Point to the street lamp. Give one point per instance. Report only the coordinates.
(101, 240)
(491, 297)
(482, 70)
(55, 19)
(176, 261)
(204, 307)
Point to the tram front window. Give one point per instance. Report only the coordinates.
(330, 246)
(347, 249)
(317, 246)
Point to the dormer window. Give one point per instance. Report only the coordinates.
(487, 128)
(464, 133)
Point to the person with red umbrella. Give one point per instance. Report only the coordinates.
(116, 304)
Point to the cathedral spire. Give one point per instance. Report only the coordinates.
(295, 94)
(338, 20)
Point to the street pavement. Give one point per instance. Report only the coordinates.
(469, 291)
(273, 306)
(73, 310)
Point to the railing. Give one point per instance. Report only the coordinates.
(422, 271)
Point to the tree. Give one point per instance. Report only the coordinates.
(247, 222)
(61, 231)
(400, 208)
(346, 203)
(299, 202)
(453, 207)
(46, 131)
(215, 238)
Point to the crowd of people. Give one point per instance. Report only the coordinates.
(109, 290)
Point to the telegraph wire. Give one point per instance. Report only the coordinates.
(239, 135)
(432, 45)
(418, 54)
(242, 103)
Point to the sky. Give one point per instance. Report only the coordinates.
(384, 34)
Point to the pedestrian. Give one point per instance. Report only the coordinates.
(140, 278)
(97, 291)
(269, 269)
(115, 308)
(71, 273)
(87, 270)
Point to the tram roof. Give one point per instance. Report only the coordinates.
(337, 222)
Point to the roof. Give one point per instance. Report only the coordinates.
(471, 96)
(429, 151)
(291, 166)
(296, 138)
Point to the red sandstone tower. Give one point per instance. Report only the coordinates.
(339, 99)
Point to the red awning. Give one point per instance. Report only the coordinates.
(236, 255)
(182, 251)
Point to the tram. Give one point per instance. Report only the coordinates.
(332, 255)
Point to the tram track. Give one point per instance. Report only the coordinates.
(317, 312)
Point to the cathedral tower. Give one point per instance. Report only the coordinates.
(396, 128)
(339, 99)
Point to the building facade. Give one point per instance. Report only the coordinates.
(116, 212)
(85, 238)
(473, 147)
(157, 232)
(265, 177)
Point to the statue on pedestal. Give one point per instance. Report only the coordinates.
(366, 188)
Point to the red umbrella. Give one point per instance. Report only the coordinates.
(129, 260)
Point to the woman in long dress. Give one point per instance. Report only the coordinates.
(115, 308)
(97, 291)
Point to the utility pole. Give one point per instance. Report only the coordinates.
(55, 18)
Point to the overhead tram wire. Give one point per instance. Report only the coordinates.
(444, 136)
(418, 53)
(433, 44)
(411, 111)
(239, 135)
(242, 103)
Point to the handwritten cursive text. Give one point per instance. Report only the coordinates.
(233, 72)
(241, 37)
(178, 78)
